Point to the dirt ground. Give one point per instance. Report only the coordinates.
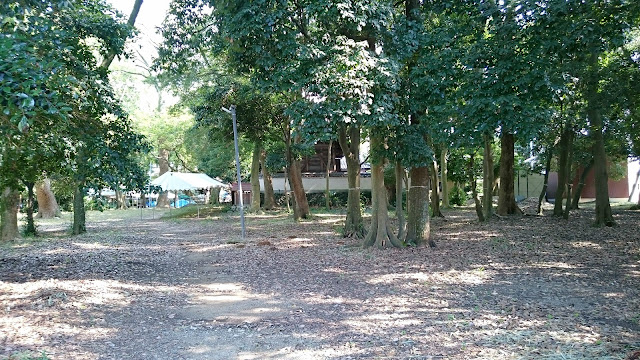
(525, 287)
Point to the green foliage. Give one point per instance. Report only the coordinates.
(95, 203)
(27, 355)
(458, 196)
(338, 199)
(55, 98)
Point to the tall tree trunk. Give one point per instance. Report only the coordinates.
(300, 205)
(444, 176)
(418, 229)
(349, 138)
(327, 190)
(487, 178)
(163, 163)
(9, 202)
(399, 197)
(577, 193)
(269, 194)
(435, 191)
(603, 217)
(380, 233)
(545, 185)
(569, 173)
(563, 160)
(30, 229)
(255, 177)
(79, 216)
(474, 189)
(506, 195)
(47, 205)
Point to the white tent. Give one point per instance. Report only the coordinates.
(174, 181)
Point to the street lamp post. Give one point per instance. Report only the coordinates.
(232, 111)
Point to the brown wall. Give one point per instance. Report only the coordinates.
(617, 188)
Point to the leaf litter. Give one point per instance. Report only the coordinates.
(515, 288)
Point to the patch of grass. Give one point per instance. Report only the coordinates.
(28, 355)
(192, 211)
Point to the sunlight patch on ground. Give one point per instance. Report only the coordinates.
(540, 343)
(553, 265)
(92, 246)
(586, 244)
(476, 276)
(613, 295)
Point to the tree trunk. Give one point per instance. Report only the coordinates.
(435, 191)
(163, 163)
(9, 203)
(79, 216)
(30, 229)
(255, 177)
(214, 197)
(327, 192)
(300, 205)
(418, 229)
(569, 173)
(487, 178)
(577, 193)
(545, 185)
(380, 233)
(506, 195)
(121, 200)
(47, 205)
(563, 159)
(269, 194)
(399, 197)
(143, 199)
(350, 143)
(444, 176)
(474, 189)
(603, 217)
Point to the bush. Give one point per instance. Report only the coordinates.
(337, 198)
(457, 196)
(95, 203)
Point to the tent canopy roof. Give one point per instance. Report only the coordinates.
(173, 181)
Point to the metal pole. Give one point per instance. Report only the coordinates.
(232, 111)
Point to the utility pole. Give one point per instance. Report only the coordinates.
(232, 111)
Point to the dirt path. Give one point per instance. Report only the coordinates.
(521, 288)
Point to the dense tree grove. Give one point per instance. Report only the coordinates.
(59, 115)
(419, 78)
(444, 92)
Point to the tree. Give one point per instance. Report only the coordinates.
(50, 80)
(596, 31)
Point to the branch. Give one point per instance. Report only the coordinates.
(131, 73)
(106, 62)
